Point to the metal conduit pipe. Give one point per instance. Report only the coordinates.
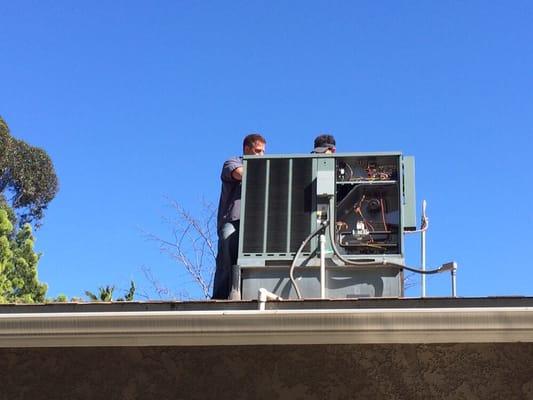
(322, 240)
(300, 249)
(424, 227)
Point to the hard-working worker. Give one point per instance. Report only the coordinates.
(228, 217)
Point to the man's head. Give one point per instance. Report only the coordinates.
(254, 145)
(325, 144)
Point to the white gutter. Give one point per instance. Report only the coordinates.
(280, 327)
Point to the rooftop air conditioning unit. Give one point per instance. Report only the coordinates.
(368, 200)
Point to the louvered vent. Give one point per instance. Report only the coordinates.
(278, 205)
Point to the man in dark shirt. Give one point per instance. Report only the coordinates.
(324, 144)
(229, 213)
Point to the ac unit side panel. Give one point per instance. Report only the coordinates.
(278, 206)
(254, 206)
(301, 208)
(344, 282)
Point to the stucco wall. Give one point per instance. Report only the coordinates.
(442, 371)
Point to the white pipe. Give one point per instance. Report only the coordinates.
(454, 280)
(322, 240)
(263, 296)
(423, 247)
(452, 267)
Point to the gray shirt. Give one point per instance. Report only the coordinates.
(229, 206)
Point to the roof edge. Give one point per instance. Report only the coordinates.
(272, 327)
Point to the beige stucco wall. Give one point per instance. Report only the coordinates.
(436, 371)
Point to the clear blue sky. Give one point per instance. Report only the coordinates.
(139, 101)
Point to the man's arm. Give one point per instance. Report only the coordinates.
(237, 174)
(232, 170)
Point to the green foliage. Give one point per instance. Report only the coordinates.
(18, 263)
(105, 293)
(6, 255)
(10, 213)
(130, 293)
(28, 174)
(28, 183)
(61, 298)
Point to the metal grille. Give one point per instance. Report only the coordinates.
(255, 206)
(278, 205)
(278, 202)
(302, 200)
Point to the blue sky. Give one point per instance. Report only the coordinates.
(140, 102)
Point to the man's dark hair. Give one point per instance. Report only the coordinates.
(325, 141)
(251, 139)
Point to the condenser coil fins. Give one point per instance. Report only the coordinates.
(277, 205)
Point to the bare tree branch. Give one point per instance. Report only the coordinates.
(162, 291)
(410, 281)
(193, 246)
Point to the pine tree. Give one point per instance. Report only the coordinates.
(18, 264)
(28, 183)
(6, 255)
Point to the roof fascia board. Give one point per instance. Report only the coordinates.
(272, 327)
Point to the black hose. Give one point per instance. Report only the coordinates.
(304, 243)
